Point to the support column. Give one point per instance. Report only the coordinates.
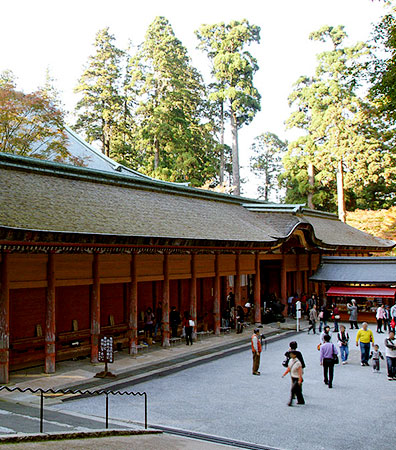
(4, 320)
(216, 300)
(257, 291)
(165, 304)
(49, 365)
(237, 282)
(133, 309)
(193, 292)
(95, 310)
(284, 286)
(298, 275)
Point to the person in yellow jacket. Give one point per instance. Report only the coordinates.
(256, 350)
(366, 338)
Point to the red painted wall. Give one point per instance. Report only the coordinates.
(145, 297)
(27, 309)
(72, 302)
(111, 302)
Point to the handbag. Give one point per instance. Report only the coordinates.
(335, 357)
(191, 323)
(337, 317)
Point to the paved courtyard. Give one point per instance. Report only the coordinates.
(223, 398)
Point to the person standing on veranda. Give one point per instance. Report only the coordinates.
(296, 373)
(366, 338)
(256, 350)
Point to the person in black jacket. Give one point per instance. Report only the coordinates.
(299, 356)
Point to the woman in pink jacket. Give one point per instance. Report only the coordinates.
(380, 316)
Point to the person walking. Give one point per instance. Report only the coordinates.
(323, 317)
(335, 317)
(256, 350)
(390, 353)
(376, 355)
(353, 314)
(386, 318)
(366, 337)
(293, 348)
(343, 342)
(325, 332)
(393, 316)
(149, 322)
(188, 325)
(327, 352)
(380, 316)
(313, 318)
(296, 374)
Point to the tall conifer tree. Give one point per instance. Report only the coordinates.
(100, 108)
(233, 68)
(166, 95)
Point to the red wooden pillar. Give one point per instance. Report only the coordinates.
(284, 286)
(257, 291)
(49, 366)
(4, 320)
(237, 282)
(133, 309)
(216, 299)
(298, 275)
(309, 285)
(95, 310)
(193, 292)
(165, 304)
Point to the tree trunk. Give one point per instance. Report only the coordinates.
(311, 181)
(156, 153)
(235, 155)
(340, 192)
(222, 157)
(266, 185)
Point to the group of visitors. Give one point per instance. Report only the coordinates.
(153, 323)
(329, 356)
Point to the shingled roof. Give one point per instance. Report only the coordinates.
(57, 198)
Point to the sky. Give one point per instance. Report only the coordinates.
(59, 35)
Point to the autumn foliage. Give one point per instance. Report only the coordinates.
(31, 125)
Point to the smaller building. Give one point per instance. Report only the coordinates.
(370, 281)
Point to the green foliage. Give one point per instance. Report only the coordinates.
(30, 124)
(338, 125)
(171, 138)
(100, 109)
(233, 67)
(266, 162)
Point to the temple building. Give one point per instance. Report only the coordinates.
(84, 251)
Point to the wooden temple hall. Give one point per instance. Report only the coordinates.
(84, 252)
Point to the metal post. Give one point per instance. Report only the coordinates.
(107, 410)
(145, 411)
(41, 410)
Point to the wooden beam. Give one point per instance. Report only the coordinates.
(193, 291)
(216, 299)
(237, 283)
(165, 304)
(49, 366)
(133, 309)
(4, 319)
(95, 309)
(257, 291)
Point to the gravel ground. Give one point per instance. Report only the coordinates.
(223, 398)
